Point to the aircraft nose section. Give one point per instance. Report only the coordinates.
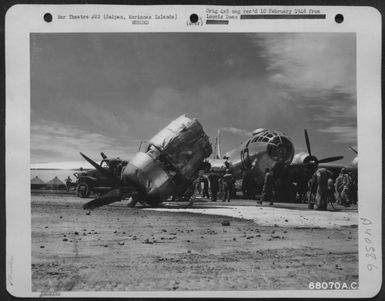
(281, 149)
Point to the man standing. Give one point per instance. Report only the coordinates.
(68, 183)
(267, 190)
(312, 189)
(343, 188)
(248, 185)
(322, 176)
(205, 182)
(354, 188)
(346, 190)
(214, 185)
(339, 185)
(228, 183)
(331, 191)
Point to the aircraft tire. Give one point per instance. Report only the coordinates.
(83, 190)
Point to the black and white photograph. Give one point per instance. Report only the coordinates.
(193, 161)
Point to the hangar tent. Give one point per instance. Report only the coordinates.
(55, 183)
(37, 183)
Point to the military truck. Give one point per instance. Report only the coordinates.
(93, 181)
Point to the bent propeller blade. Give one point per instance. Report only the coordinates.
(108, 198)
(101, 169)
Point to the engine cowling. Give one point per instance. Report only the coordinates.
(303, 158)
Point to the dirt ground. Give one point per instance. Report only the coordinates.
(116, 248)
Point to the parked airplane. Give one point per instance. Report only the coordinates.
(270, 149)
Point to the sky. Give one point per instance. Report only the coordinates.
(93, 92)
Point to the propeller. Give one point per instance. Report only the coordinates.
(108, 198)
(353, 149)
(307, 143)
(114, 195)
(313, 159)
(331, 159)
(102, 170)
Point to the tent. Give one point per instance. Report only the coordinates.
(55, 183)
(37, 183)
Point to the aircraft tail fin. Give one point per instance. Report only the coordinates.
(217, 145)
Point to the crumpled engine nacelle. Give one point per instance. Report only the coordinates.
(171, 161)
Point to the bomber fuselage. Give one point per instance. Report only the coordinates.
(265, 149)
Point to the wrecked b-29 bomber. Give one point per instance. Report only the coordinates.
(166, 168)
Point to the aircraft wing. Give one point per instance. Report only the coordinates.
(301, 173)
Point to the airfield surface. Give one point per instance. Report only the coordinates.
(211, 246)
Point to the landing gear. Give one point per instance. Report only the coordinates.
(83, 189)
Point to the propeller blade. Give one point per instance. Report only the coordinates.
(307, 142)
(104, 171)
(108, 198)
(330, 159)
(353, 150)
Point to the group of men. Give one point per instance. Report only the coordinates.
(323, 190)
(218, 183)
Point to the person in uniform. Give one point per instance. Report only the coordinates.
(248, 185)
(354, 188)
(342, 187)
(312, 189)
(228, 184)
(214, 185)
(331, 191)
(205, 183)
(198, 185)
(346, 190)
(226, 162)
(339, 186)
(267, 190)
(68, 183)
(322, 176)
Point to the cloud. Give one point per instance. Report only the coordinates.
(57, 142)
(229, 62)
(237, 131)
(96, 116)
(243, 103)
(343, 134)
(317, 72)
(311, 62)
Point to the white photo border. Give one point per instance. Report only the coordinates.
(21, 20)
